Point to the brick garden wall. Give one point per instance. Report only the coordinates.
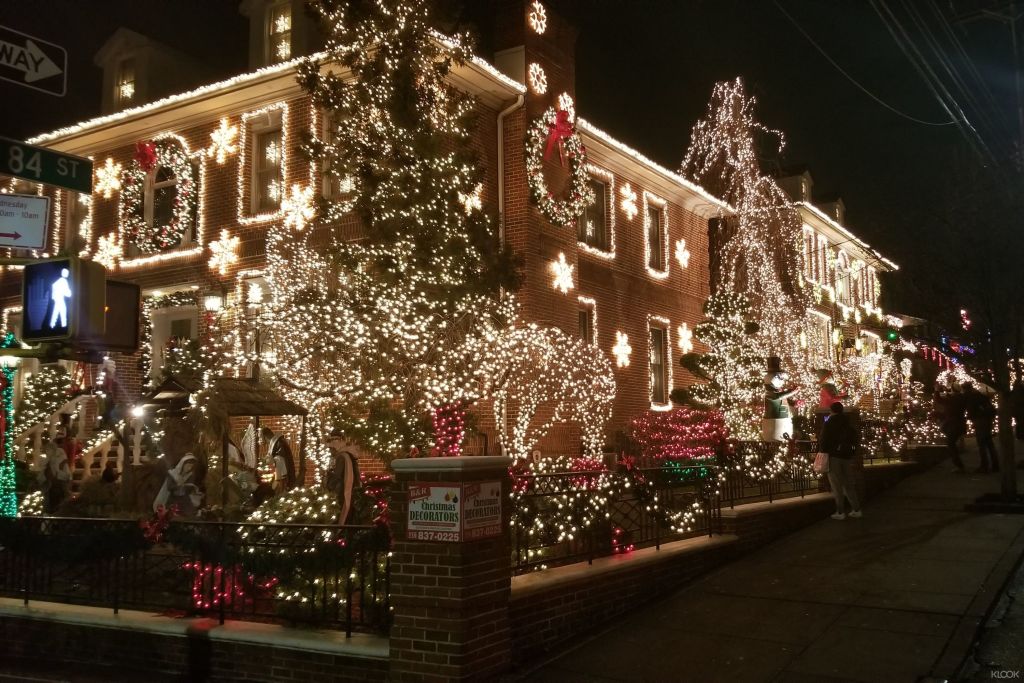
(195, 657)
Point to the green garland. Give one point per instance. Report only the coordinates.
(154, 238)
(559, 211)
(8, 498)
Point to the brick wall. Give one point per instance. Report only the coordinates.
(195, 657)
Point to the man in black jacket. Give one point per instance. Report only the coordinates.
(839, 439)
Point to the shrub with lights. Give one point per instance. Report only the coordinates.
(45, 391)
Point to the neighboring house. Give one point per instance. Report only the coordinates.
(227, 158)
(843, 270)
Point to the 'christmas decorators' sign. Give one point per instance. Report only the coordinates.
(454, 512)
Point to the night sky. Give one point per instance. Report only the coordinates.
(645, 70)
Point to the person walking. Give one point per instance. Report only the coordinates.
(983, 416)
(839, 439)
(954, 425)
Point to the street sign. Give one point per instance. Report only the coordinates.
(42, 165)
(33, 63)
(23, 219)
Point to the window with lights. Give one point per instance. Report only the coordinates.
(593, 224)
(588, 321)
(124, 88)
(279, 30)
(656, 237)
(78, 227)
(267, 180)
(659, 365)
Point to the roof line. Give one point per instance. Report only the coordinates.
(588, 127)
(845, 231)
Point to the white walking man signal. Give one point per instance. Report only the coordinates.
(60, 292)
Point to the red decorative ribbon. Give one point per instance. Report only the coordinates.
(145, 154)
(559, 130)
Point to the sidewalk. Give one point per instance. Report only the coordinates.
(895, 596)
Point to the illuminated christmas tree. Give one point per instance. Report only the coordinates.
(732, 368)
(758, 249)
(376, 333)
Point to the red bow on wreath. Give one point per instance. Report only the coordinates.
(559, 130)
(145, 154)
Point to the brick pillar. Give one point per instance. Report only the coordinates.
(450, 599)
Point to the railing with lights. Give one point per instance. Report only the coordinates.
(567, 517)
(765, 470)
(317, 575)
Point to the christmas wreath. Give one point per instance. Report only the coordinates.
(150, 158)
(554, 132)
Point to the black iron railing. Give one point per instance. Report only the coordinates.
(566, 517)
(319, 575)
(763, 470)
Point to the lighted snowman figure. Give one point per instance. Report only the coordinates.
(777, 421)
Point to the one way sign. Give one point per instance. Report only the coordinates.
(33, 63)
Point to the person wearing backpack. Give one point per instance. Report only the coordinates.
(839, 439)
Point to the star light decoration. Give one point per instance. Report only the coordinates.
(685, 338)
(566, 104)
(682, 254)
(538, 79)
(108, 178)
(563, 274)
(622, 350)
(628, 204)
(223, 252)
(537, 17)
(108, 251)
(222, 142)
(298, 207)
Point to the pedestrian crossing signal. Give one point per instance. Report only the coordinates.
(62, 299)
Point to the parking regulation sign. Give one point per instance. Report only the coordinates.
(23, 219)
(32, 62)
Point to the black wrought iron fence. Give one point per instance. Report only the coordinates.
(320, 575)
(764, 470)
(882, 441)
(565, 517)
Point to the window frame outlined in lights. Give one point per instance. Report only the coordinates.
(84, 303)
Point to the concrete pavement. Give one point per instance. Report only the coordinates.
(895, 596)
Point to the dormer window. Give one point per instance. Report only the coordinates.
(280, 33)
(124, 93)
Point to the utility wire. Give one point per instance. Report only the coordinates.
(863, 89)
(934, 84)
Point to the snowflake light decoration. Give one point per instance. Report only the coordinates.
(563, 274)
(538, 17)
(222, 142)
(628, 205)
(538, 79)
(682, 254)
(223, 252)
(108, 178)
(108, 251)
(471, 202)
(298, 207)
(566, 104)
(685, 338)
(622, 349)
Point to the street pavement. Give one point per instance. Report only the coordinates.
(898, 595)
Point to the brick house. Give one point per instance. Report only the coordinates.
(638, 257)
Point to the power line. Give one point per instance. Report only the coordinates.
(850, 78)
